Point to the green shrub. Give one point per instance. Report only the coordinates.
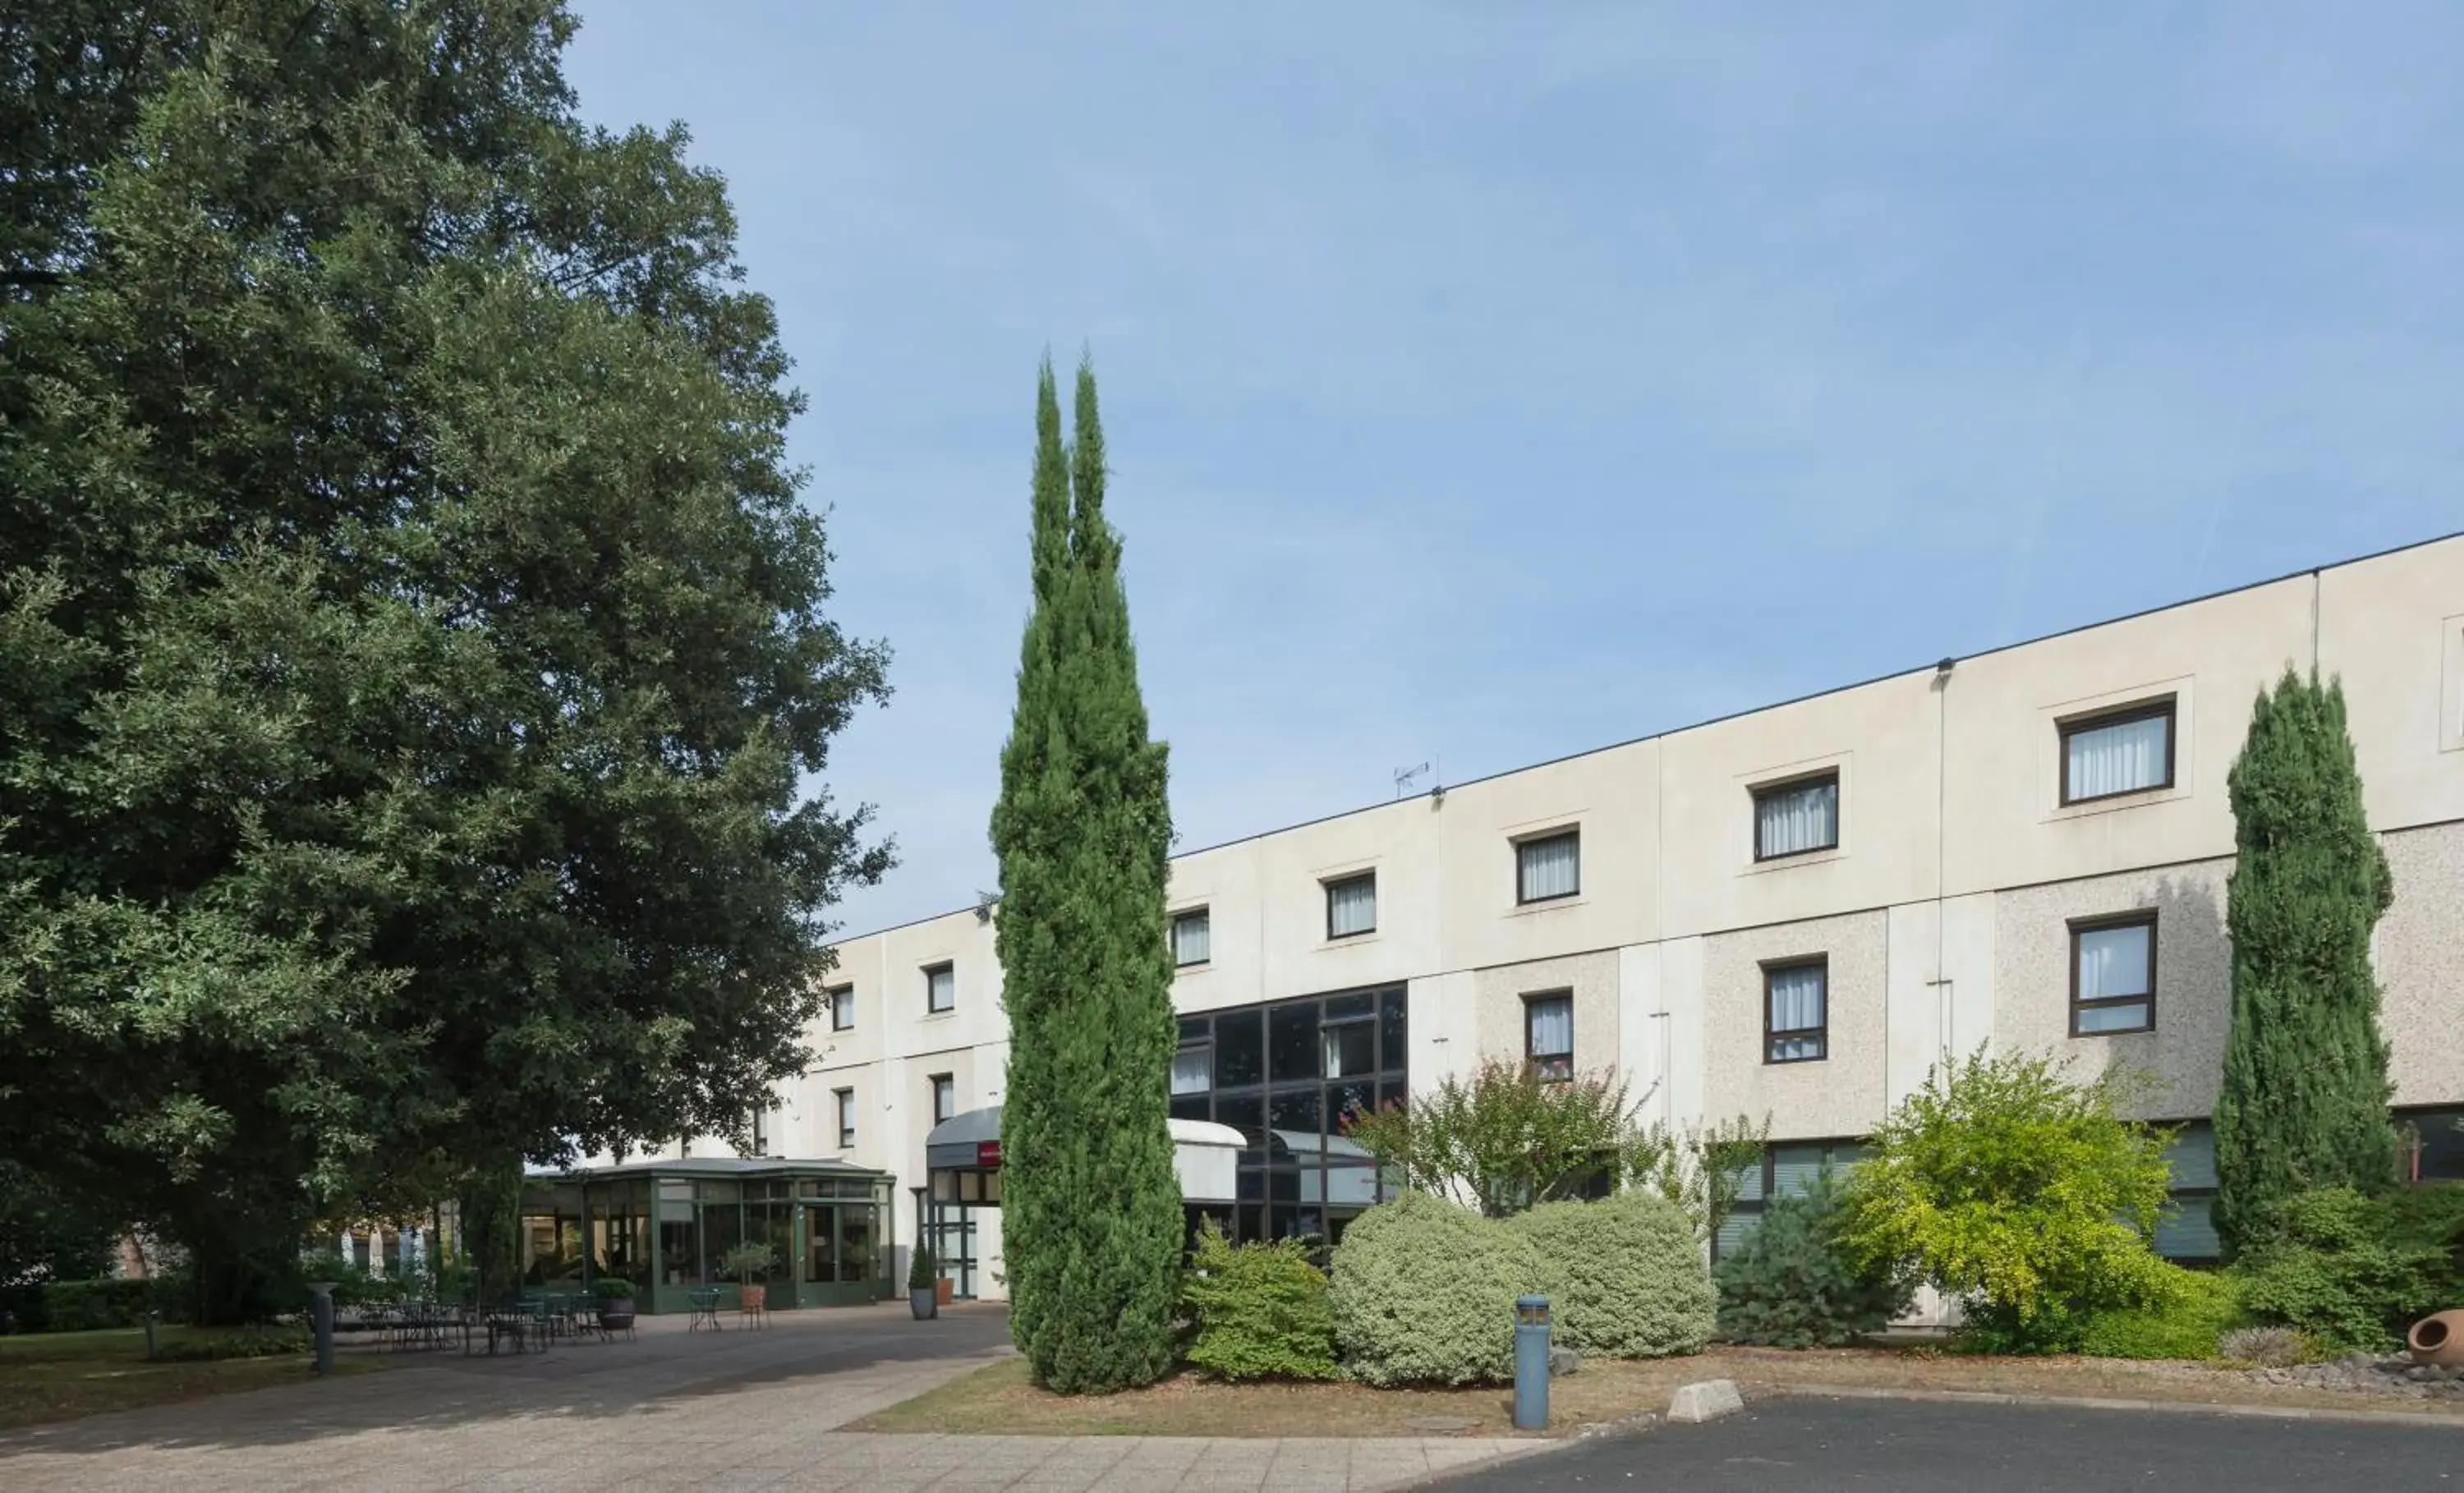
(250, 1343)
(2269, 1347)
(1261, 1310)
(920, 1272)
(2196, 1309)
(2431, 1218)
(1624, 1275)
(1793, 1283)
(2019, 1193)
(1423, 1293)
(612, 1287)
(90, 1305)
(2334, 1266)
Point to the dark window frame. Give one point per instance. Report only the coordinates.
(1532, 1059)
(2142, 918)
(951, 967)
(1766, 790)
(1821, 1033)
(842, 1012)
(1522, 843)
(842, 1110)
(934, 1085)
(1329, 884)
(2097, 721)
(1206, 912)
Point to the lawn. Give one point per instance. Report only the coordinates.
(998, 1400)
(62, 1375)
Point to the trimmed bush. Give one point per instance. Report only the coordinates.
(1261, 1310)
(90, 1305)
(1423, 1293)
(1793, 1283)
(1624, 1275)
(2195, 1312)
(2334, 1267)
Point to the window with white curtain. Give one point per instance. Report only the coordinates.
(940, 988)
(1352, 906)
(1548, 867)
(1191, 937)
(1797, 1008)
(843, 1009)
(844, 1099)
(1793, 817)
(2123, 751)
(945, 1097)
(2113, 975)
(1548, 1035)
(761, 1131)
(1193, 1069)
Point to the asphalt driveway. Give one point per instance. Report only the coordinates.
(1788, 1444)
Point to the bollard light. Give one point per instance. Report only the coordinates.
(320, 1317)
(1532, 1363)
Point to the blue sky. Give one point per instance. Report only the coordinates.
(1489, 383)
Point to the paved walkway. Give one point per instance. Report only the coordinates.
(733, 1410)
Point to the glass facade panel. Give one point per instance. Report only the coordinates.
(1291, 1042)
(1240, 1049)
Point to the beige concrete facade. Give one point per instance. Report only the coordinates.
(1944, 911)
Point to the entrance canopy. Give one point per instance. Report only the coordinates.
(1205, 1156)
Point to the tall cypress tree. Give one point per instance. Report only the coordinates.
(1091, 1210)
(2304, 1102)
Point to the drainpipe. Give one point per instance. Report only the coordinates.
(1942, 982)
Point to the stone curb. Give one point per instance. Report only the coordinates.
(2179, 1407)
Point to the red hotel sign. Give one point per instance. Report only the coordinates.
(989, 1152)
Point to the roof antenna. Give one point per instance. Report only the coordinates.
(1406, 777)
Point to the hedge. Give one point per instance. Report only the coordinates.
(1423, 1293)
(1624, 1276)
(85, 1306)
(1260, 1310)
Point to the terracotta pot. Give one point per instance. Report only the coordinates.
(2438, 1339)
(941, 1290)
(752, 1298)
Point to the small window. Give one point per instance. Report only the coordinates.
(1192, 1068)
(2118, 751)
(1190, 938)
(842, 1008)
(945, 1097)
(1352, 906)
(940, 988)
(2113, 975)
(1548, 1035)
(1547, 868)
(846, 1098)
(1796, 1011)
(760, 1132)
(1796, 818)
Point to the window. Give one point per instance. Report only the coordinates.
(945, 1097)
(1796, 1009)
(1548, 1034)
(846, 1098)
(761, 1133)
(1352, 906)
(2113, 975)
(842, 1008)
(1795, 818)
(1547, 868)
(1193, 1067)
(2118, 751)
(940, 988)
(1191, 937)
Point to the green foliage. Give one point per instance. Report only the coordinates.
(1423, 1293)
(83, 1306)
(2193, 1309)
(1795, 1281)
(1507, 1140)
(2431, 1218)
(2331, 1263)
(489, 1213)
(1090, 1208)
(749, 1261)
(252, 1343)
(922, 1271)
(45, 1236)
(2269, 1347)
(612, 1287)
(1261, 1309)
(2305, 1099)
(1701, 1168)
(1624, 1275)
(413, 670)
(2023, 1194)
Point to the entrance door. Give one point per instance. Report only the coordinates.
(820, 1245)
(954, 1247)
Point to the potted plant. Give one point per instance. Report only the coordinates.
(750, 1264)
(615, 1302)
(923, 1296)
